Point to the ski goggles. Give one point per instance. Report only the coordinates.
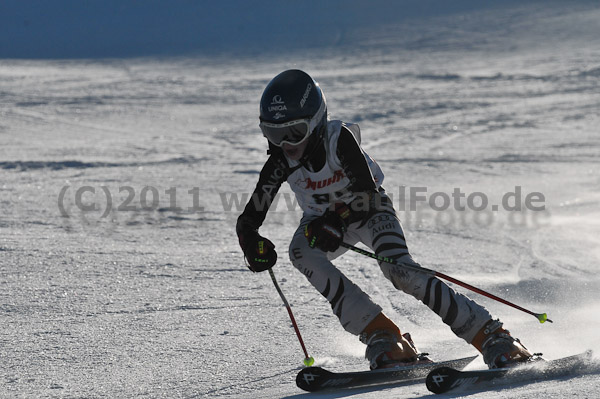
(293, 132)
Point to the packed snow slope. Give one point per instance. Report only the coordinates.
(121, 180)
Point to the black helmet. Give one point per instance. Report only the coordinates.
(292, 107)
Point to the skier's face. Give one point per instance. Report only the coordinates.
(294, 152)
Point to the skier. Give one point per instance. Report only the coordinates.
(338, 187)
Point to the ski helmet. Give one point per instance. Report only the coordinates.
(292, 108)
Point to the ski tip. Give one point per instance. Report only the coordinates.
(311, 378)
(440, 379)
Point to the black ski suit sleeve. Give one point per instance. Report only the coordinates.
(273, 174)
(354, 163)
(362, 183)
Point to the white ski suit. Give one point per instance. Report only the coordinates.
(345, 174)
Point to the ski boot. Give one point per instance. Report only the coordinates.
(387, 347)
(499, 348)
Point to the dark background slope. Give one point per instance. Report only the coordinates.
(113, 28)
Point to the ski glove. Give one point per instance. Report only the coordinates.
(259, 252)
(325, 232)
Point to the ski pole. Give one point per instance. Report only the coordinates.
(542, 317)
(308, 360)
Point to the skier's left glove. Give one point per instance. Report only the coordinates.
(258, 250)
(326, 232)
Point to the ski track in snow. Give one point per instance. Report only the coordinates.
(154, 301)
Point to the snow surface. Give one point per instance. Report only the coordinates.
(157, 302)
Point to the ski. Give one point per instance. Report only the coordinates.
(446, 379)
(316, 378)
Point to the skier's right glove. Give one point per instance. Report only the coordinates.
(258, 251)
